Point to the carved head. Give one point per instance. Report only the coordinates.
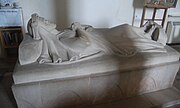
(40, 21)
(36, 22)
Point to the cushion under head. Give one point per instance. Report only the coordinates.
(148, 28)
(155, 31)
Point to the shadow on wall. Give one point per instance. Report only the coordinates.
(61, 13)
(65, 12)
(137, 4)
(68, 11)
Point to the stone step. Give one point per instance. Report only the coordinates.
(167, 98)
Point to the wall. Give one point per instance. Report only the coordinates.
(98, 13)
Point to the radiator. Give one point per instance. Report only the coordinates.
(173, 32)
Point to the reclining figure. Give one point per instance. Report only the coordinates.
(51, 46)
(45, 44)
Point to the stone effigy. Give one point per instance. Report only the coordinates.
(49, 45)
(95, 66)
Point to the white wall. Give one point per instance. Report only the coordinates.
(98, 13)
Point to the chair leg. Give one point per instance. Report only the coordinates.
(164, 17)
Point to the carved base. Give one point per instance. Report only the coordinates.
(94, 89)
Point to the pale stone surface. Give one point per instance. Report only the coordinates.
(167, 98)
(79, 42)
(95, 88)
(134, 102)
(53, 94)
(135, 67)
(99, 65)
(27, 56)
(65, 93)
(71, 85)
(69, 45)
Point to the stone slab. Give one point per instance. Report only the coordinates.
(106, 64)
(167, 98)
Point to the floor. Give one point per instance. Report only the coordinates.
(168, 98)
(6, 97)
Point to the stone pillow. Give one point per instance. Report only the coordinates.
(150, 26)
(155, 34)
(155, 31)
(29, 50)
